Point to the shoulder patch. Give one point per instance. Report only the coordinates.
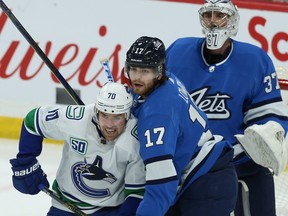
(75, 112)
(79, 145)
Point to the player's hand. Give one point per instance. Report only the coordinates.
(27, 175)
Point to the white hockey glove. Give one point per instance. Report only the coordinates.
(265, 145)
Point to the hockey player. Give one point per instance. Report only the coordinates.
(236, 85)
(186, 166)
(101, 171)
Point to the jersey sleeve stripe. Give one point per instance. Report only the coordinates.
(159, 158)
(158, 170)
(37, 125)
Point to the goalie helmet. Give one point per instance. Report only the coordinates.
(147, 52)
(217, 32)
(114, 98)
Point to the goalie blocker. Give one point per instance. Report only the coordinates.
(265, 145)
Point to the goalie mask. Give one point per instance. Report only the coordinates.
(114, 98)
(219, 20)
(147, 52)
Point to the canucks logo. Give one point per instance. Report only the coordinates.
(75, 112)
(83, 173)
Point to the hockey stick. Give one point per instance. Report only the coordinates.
(104, 62)
(58, 199)
(42, 55)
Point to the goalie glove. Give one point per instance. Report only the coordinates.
(27, 175)
(265, 145)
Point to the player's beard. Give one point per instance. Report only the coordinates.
(144, 89)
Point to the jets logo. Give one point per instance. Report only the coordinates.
(84, 174)
(215, 106)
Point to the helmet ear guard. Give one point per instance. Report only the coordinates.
(217, 35)
(114, 98)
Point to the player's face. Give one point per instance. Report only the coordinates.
(111, 125)
(214, 19)
(142, 80)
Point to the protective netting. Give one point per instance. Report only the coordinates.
(281, 190)
(281, 182)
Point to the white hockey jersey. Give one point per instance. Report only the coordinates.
(92, 174)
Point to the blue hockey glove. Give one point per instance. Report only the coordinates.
(27, 175)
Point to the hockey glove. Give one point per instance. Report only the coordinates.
(266, 145)
(27, 175)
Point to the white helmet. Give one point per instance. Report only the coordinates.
(114, 98)
(217, 35)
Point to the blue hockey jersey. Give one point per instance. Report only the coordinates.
(240, 91)
(174, 140)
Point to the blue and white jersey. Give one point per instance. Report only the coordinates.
(240, 91)
(91, 174)
(174, 139)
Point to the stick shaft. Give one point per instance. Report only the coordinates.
(53, 195)
(42, 55)
(105, 63)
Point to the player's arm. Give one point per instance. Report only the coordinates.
(27, 172)
(265, 102)
(157, 146)
(30, 142)
(134, 181)
(266, 117)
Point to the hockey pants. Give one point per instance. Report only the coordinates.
(256, 195)
(213, 194)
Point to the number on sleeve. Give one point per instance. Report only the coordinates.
(52, 114)
(159, 131)
(268, 80)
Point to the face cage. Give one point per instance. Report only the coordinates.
(216, 36)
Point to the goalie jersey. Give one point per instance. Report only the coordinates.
(233, 99)
(92, 174)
